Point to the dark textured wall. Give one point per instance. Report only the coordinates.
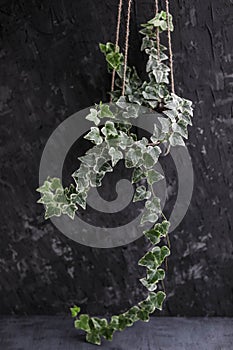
(50, 68)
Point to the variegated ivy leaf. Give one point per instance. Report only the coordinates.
(98, 323)
(82, 184)
(109, 130)
(153, 205)
(94, 136)
(100, 161)
(172, 114)
(46, 187)
(143, 315)
(176, 140)
(88, 159)
(141, 194)
(105, 112)
(158, 74)
(96, 178)
(79, 198)
(160, 20)
(106, 168)
(131, 111)
(83, 323)
(115, 155)
(153, 176)
(59, 196)
(153, 276)
(93, 337)
(180, 128)
(150, 157)
(125, 140)
(160, 254)
(165, 124)
(93, 116)
(149, 96)
(160, 296)
(47, 198)
(132, 314)
(158, 231)
(141, 144)
(148, 216)
(133, 157)
(138, 174)
(122, 103)
(187, 108)
(148, 305)
(157, 135)
(52, 210)
(69, 209)
(149, 261)
(185, 117)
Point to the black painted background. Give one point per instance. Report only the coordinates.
(50, 68)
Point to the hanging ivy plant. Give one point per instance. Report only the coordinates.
(115, 141)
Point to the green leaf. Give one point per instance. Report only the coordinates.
(83, 323)
(105, 112)
(75, 310)
(123, 322)
(153, 176)
(141, 194)
(107, 333)
(98, 323)
(114, 323)
(93, 338)
(143, 315)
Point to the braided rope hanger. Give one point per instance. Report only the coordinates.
(120, 5)
(170, 48)
(117, 40)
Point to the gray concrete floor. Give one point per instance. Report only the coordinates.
(163, 333)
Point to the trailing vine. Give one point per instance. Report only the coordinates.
(113, 140)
